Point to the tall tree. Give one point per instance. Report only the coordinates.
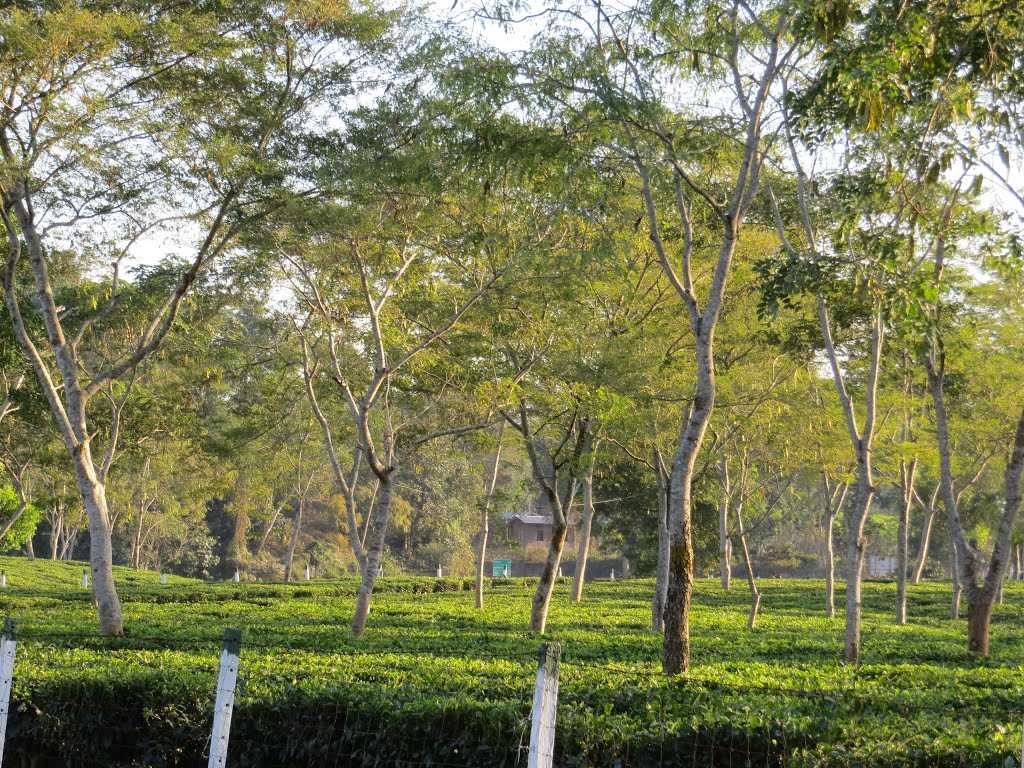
(111, 116)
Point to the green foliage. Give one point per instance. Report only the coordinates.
(434, 681)
(24, 527)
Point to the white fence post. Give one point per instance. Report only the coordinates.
(163, 579)
(3, 579)
(225, 702)
(8, 645)
(85, 579)
(545, 703)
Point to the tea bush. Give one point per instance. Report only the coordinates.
(436, 682)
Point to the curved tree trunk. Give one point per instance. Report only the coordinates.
(755, 593)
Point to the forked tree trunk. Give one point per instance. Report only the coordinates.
(485, 519)
(376, 536)
(980, 597)
(908, 472)
(296, 531)
(583, 545)
(56, 526)
(832, 509)
(926, 537)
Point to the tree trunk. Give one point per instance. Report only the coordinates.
(137, 538)
(926, 537)
(546, 583)
(855, 551)
(755, 593)
(830, 567)
(56, 524)
(661, 577)
(979, 620)
(676, 644)
(100, 550)
(724, 543)
(583, 546)
(296, 531)
(833, 505)
(270, 527)
(908, 472)
(485, 520)
(376, 536)
(980, 597)
(954, 608)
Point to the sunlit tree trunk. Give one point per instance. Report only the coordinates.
(374, 554)
(926, 536)
(294, 541)
(661, 575)
(724, 543)
(583, 545)
(485, 519)
(908, 473)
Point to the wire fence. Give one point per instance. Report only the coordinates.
(150, 701)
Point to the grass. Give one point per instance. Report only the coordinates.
(435, 682)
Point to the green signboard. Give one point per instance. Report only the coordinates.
(501, 568)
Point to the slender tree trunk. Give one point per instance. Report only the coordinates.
(908, 473)
(926, 537)
(30, 550)
(583, 546)
(296, 531)
(376, 536)
(954, 608)
(56, 524)
(485, 519)
(724, 543)
(137, 538)
(830, 566)
(270, 527)
(755, 593)
(661, 576)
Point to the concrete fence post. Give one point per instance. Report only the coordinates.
(545, 705)
(85, 579)
(8, 645)
(225, 701)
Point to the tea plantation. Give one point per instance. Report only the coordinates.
(436, 683)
